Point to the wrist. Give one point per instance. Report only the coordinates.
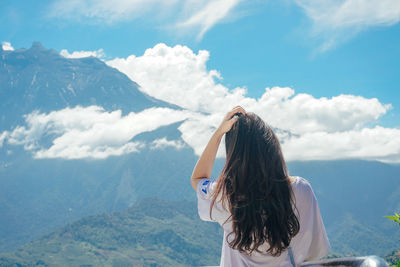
(218, 133)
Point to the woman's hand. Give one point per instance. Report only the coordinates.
(230, 120)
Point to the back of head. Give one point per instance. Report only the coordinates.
(255, 183)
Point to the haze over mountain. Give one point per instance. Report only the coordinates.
(53, 172)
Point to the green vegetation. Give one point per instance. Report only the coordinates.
(395, 218)
(152, 233)
(393, 259)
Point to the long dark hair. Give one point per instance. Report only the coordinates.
(255, 182)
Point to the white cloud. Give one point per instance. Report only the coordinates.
(109, 11)
(7, 46)
(376, 143)
(303, 113)
(337, 20)
(174, 74)
(352, 13)
(85, 151)
(89, 132)
(167, 14)
(209, 15)
(163, 143)
(3, 136)
(180, 76)
(80, 54)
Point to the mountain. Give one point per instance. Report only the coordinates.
(40, 78)
(38, 196)
(151, 233)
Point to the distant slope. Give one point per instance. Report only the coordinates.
(351, 236)
(151, 233)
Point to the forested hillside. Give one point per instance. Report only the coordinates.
(151, 233)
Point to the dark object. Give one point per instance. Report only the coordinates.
(367, 261)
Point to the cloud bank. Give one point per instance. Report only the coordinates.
(89, 132)
(199, 15)
(309, 128)
(337, 20)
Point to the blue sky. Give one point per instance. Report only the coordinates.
(321, 48)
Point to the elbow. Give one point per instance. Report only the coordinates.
(194, 182)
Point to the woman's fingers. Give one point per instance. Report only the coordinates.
(235, 110)
(230, 119)
(239, 108)
(227, 124)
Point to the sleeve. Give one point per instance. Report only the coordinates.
(319, 246)
(205, 188)
(311, 243)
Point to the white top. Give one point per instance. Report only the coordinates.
(311, 243)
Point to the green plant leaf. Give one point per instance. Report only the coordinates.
(398, 264)
(393, 218)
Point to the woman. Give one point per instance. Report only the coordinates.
(268, 217)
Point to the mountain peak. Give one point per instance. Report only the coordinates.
(37, 46)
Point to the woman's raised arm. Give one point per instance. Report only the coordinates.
(205, 163)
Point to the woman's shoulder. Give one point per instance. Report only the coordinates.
(299, 181)
(301, 186)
